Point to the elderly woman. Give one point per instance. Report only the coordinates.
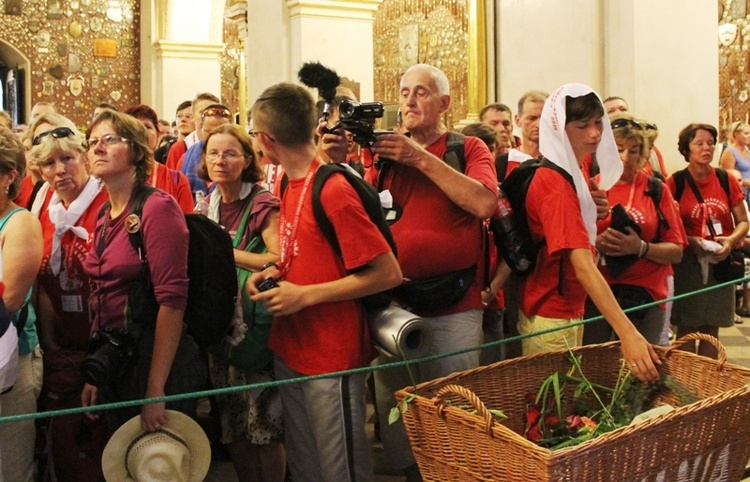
(68, 212)
(636, 260)
(250, 420)
(165, 360)
(21, 241)
(712, 208)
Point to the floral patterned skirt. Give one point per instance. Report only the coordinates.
(255, 414)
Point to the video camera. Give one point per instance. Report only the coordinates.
(359, 119)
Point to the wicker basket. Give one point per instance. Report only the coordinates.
(705, 441)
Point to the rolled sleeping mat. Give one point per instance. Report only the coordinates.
(412, 334)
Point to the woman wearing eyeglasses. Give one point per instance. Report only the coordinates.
(21, 241)
(165, 359)
(638, 241)
(250, 420)
(713, 212)
(68, 210)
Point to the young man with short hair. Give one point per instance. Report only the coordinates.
(319, 326)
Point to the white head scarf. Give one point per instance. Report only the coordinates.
(555, 146)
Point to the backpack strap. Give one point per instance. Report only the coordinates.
(370, 202)
(246, 215)
(454, 153)
(284, 184)
(501, 166)
(679, 184)
(679, 181)
(136, 207)
(655, 192)
(724, 181)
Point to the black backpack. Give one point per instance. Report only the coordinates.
(511, 228)
(212, 289)
(371, 202)
(679, 180)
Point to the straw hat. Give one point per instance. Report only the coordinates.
(178, 451)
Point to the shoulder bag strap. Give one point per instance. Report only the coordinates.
(696, 192)
(245, 217)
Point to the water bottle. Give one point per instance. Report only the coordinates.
(508, 237)
(201, 206)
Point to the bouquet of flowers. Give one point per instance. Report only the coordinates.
(596, 409)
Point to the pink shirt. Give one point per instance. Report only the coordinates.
(165, 238)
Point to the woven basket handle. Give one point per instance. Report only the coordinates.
(439, 401)
(722, 357)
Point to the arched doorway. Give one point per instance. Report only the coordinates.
(15, 81)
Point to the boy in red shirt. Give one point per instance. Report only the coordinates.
(319, 325)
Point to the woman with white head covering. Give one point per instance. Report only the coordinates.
(562, 216)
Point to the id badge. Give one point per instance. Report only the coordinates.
(72, 303)
(717, 227)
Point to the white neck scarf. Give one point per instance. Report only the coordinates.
(555, 146)
(65, 220)
(215, 200)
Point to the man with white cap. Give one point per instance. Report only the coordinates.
(563, 218)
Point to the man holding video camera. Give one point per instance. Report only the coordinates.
(439, 212)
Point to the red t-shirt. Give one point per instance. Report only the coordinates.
(165, 237)
(174, 183)
(175, 154)
(24, 193)
(69, 290)
(329, 336)
(718, 204)
(434, 236)
(554, 215)
(640, 207)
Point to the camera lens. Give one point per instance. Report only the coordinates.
(346, 109)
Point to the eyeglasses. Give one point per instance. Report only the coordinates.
(50, 164)
(56, 133)
(214, 156)
(216, 112)
(254, 134)
(619, 123)
(106, 141)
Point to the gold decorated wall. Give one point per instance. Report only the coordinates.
(230, 63)
(434, 32)
(734, 62)
(82, 52)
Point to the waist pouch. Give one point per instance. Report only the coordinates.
(630, 296)
(731, 268)
(436, 293)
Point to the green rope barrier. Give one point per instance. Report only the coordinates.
(275, 383)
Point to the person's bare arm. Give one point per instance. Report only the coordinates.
(467, 193)
(637, 352)
(22, 255)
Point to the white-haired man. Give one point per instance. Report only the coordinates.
(439, 211)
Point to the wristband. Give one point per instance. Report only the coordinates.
(268, 265)
(648, 246)
(641, 248)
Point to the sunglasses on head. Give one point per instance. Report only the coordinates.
(618, 123)
(216, 112)
(55, 133)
